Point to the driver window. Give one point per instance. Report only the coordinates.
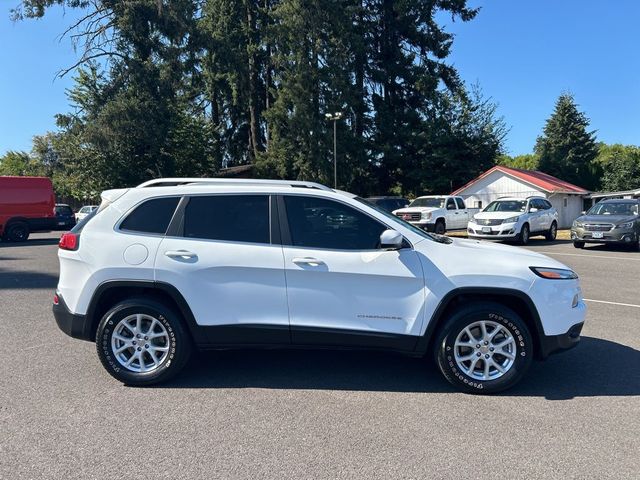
(451, 204)
(321, 223)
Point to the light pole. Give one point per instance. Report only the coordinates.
(334, 117)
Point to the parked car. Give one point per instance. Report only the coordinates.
(65, 219)
(516, 219)
(437, 213)
(609, 221)
(181, 263)
(389, 203)
(26, 205)
(84, 211)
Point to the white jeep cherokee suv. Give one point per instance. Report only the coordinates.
(178, 264)
(518, 219)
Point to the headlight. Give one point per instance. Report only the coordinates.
(577, 224)
(554, 273)
(426, 215)
(511, 220)
(625, 225)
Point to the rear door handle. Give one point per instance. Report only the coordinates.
(314, 262)
(183, 254)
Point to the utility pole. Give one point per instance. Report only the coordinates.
(334, 117)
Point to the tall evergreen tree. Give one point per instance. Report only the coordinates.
(567, 149)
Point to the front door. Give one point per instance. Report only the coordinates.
(342, 289)
(226, 267)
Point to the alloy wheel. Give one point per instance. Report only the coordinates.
(140, 343)
(485, 350)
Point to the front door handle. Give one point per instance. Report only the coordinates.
(180, 254)
(314, 262)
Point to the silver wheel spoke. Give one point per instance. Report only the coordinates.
(468, 332)
(468, 357)
(151, 327)
(486, 369)
(483, 330)
(473, 365)
(138, 323)
(121, 338)
(497, 366)
(509, 355)
(505, 342)
(122, 349)
(468, 344)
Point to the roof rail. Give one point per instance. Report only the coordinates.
(175, 182)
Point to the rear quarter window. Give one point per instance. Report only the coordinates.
(152, 216)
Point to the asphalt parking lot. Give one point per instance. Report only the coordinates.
(296, 414)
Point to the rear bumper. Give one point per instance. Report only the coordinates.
(558, 343)
(72, 324)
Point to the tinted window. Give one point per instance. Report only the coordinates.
(546, 204)
(235, 218)
(320, 223)
(153, 216)
(63, 210)
(450, 204)
(460, 203)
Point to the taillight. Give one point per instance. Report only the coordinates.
(56, 299)
(69, 241)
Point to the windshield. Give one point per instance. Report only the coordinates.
(506, 206)
(428, 202)
(621, 208)
(413, 228)
(63, 210)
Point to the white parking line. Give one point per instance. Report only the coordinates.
(546, 252)
(612, 303)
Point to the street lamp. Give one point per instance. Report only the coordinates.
(334, 117)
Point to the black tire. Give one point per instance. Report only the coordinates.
(467, 316)
(525, 235)
(179, 342)
(17, 232)
(440, 228)
(578, 244)
(552, 233)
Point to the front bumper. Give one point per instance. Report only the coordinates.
(496, 232)
(72, 324)
(558, 343)
(615, 235)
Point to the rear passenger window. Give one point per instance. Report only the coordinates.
(460, 203)
(153, 216)
(235, 218)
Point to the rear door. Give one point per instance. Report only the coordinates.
(342, 289)
(226, 264)
(463, 216)
(452, 214)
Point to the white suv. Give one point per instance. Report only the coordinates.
(181, 263)
(517, 219)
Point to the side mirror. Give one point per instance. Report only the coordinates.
(584, 212)
(391, 240)
(451, 207)
(533, 210)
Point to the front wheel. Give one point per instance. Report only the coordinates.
(484, 348)
(142, 342)
(440, 228)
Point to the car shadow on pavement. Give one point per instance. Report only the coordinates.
(595, 368)
(25, 279)
(36, 242)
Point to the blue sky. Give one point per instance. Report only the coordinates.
(523, 53)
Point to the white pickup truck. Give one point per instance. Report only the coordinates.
(437, 213)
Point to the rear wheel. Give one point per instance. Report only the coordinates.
(441, 228)
(525, 235)
(142, 342)
(17, 232)
(484, 348)
(578, 244)
(552, 233)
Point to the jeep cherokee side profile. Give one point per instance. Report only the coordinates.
(178, 264)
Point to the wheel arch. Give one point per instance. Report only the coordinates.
(516, 300)
(109, 293)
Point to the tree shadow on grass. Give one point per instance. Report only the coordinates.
(595, 368)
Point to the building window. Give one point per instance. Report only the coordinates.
(479, 204)
(565, 202)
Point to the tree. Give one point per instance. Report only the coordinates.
(621, 166)
(528, 161)
(18, 164)
(567, 149)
